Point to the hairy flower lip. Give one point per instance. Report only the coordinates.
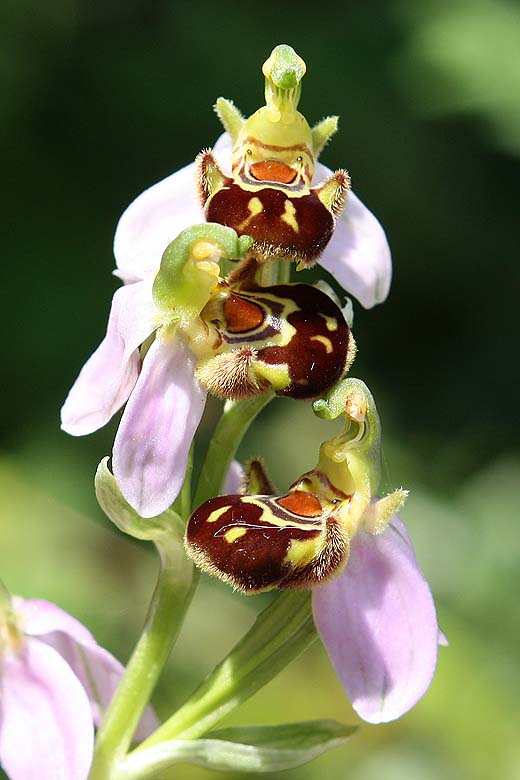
(357, 255)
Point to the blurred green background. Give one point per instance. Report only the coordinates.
(100, 100)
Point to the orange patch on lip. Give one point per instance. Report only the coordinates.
(301, 503)
(272, 170)
(242, 316)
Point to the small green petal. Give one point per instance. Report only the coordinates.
(230, 116)
(322, 133)
(190, 269)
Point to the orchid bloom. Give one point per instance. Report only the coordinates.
(56, 683)
(356, 250)
(357, 256)
(163, 395)
(331, 533)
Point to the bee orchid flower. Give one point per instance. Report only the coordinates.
(164, 400)
(278, 196)
(233, 339)
(331, 533)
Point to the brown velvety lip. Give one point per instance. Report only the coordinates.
(272, 170)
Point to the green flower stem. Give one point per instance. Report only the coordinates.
(175, 588)
(284, 272)
(280, 633)
(268, 273)
(236, 419)
(169, 603)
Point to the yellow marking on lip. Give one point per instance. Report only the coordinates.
(330, 322)
(214, 516)
(327, 343)
(277, 375)
(282, 523)
(234, 533)
(255, 208)
(302, 551)
(289, 216)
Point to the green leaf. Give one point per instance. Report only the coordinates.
(245, 749)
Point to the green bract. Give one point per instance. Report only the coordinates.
(119, 511)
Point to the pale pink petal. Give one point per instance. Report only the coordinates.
(46, 728)
(378, 623)
(97, 669)
(234, 479)
(358, 255)
(39, 617)
(158, 215)
(99, 672)
(155, 434)
(153, 220)
(107, 378)
(222, 150)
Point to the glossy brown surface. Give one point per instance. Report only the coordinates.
(280, 225)
(254, 560)
(316, 355)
